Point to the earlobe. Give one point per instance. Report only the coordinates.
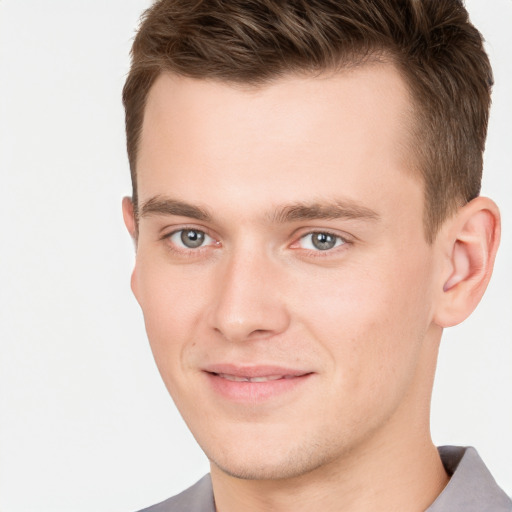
(133, 283)
(471, 243)
(129, 217)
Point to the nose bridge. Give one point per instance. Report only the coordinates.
(247, 303)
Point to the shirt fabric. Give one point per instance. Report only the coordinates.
(471, 488)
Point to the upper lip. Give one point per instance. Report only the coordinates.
(253, 371)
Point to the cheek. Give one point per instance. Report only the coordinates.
(370, 319)
(171, 303)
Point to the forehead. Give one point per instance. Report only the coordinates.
(346, 132)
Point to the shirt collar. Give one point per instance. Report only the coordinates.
(471, 487)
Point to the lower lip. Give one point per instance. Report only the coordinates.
(254, 391)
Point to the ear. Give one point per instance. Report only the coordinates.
(129, 217)
(131, 226)
(469, 244)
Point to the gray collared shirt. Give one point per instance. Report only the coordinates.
(471, 489)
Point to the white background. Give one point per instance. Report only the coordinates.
(85, 423)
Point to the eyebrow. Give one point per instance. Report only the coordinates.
(341, 209)
(159, 205)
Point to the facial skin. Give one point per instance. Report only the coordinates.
(262, 174)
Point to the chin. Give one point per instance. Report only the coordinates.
(246, 470)
(259, 461)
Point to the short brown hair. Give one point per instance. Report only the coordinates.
(438, 51)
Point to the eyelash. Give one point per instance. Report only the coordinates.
(341, 242)
(187, 250)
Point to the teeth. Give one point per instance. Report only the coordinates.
(235, 378)
(265, 379)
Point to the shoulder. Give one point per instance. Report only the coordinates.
(198, 498)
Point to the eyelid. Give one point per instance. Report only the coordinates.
(168, 232)
(338, 240)
(345, 239)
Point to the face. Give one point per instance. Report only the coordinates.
(282, 267)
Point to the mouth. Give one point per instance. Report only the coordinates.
(235, 378)
(254, 383)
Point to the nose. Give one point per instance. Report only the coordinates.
(249, 302)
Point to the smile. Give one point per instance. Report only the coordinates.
(253, 384)
(268, 378)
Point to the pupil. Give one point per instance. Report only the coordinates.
(323, 241)
(191, 238)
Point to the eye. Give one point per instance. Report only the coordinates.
(190, 238)
(320, 241)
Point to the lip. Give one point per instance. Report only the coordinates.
(254, 383)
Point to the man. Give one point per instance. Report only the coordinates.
(307, 218)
